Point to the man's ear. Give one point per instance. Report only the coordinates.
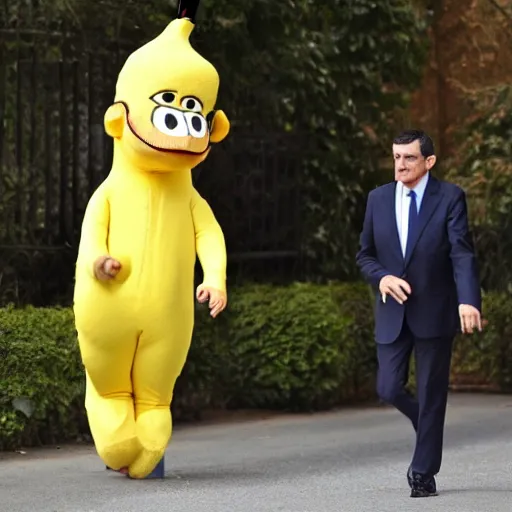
(431, 161)
(220, 127)
(114, 120)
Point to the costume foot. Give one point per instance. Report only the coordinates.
(139, 470)
(158, 472)
(123, 471)
(119, 455)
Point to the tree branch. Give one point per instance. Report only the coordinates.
(496, 5)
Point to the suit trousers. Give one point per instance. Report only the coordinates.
(426, 411)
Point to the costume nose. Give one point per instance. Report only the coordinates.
(170, 121)
(177, 123)
(197, 124)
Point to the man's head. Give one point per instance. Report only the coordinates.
(413, 152)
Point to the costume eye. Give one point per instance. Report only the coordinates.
(170, 121)
(196, 124)
(164, 98)
(191, 103)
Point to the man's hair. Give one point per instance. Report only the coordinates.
(408, 136)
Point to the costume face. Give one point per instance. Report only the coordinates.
(164, 118)
(410, 164)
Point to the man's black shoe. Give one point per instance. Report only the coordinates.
(421, 486)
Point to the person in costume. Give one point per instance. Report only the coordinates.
(142, 230)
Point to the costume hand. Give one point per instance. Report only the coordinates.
(106, 268)
(394, 286)
(218, 298)
(469, 318)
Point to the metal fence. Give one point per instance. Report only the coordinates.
(54, 153)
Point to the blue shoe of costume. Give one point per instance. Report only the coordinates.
(159, 471)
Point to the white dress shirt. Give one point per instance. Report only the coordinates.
(402, 205)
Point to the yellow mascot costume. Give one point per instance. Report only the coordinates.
(142, 230)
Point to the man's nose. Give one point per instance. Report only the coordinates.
(400, 164)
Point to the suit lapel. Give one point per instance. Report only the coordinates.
(428, 207)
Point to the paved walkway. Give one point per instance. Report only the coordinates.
(345, 461)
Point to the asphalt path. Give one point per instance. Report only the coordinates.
(340, 461)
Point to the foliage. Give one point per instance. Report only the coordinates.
(24, 275)
(483, 167)
(40, 364)
(485, 359)
(329, 77)
(361, 67)
(297, 347)
(205, 381)
(300, 347)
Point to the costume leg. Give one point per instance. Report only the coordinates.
(160, 357)
(393, 373)
(107, 356)
(433, 358)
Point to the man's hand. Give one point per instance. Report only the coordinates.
(396, 287)
(218, 299)
(106, 268)
(469, 318)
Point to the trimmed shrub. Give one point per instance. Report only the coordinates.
(40, 368)
(298, 347)
(484, 359)
(205, 382)
(301, 347)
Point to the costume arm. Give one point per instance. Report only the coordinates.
(465, 268)
(210, 244)
(95, 226)
(366, 257)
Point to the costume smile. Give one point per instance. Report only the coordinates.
(171, 143)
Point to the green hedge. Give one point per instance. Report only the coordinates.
(300, 347)
(303, 347)
(485, 359)
(39, 361)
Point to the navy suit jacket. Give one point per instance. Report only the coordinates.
(441, 267)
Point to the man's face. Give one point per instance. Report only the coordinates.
(410, 164)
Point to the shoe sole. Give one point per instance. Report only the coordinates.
(422, 494)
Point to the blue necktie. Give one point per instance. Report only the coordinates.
(413, 221)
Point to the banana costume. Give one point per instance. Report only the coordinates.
(142, 230)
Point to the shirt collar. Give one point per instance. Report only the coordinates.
(419, 188)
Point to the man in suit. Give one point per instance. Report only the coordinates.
(416, 250)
